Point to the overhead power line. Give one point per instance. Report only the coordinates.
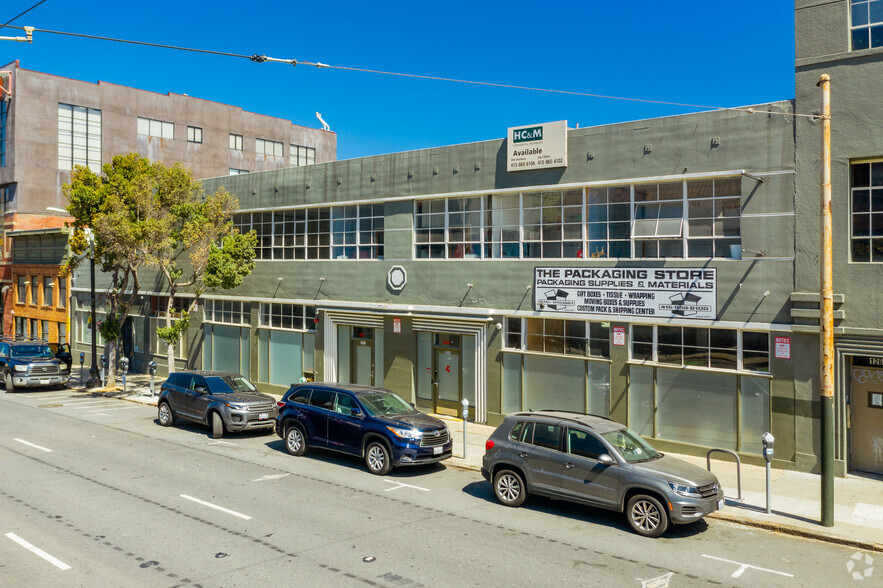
(257, 58)
(22, 14)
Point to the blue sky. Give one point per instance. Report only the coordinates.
(698, 52)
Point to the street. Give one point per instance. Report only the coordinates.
(94, 492)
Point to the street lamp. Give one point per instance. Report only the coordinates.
(93, 381)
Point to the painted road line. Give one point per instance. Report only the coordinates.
(216, 507)
(222, 443)
(37, 551)
(744, 566)
(403, 485)
(32, 445)
(270, 477)
(85, 405)
(110, 409)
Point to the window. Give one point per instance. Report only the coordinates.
(4, 109)
(156, 128)
(565, 337)
(62, 292)
(299, 155)
(159, 305)
(226, 311)
(236, 142)
(866, 24)
(35, 328)
(48, 282)
(62, 332)
(236, 172)
(584, 444)
(79, 137)
(867, 211)
(357, 232)
(345, 404)
(546, 436)
(322, 399)
(21, 329)
(694, 218)
(194, 134)
(45, 330)
(35, 290)
(268, 148)
(22, 290)
(725, 349)
(298, 317)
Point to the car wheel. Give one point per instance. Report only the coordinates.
(10, 386)
(295, 442)
(217, 426)
(166, 417)
(377, 458)
(509, 488)
(646, 516)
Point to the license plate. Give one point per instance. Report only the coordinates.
(263, 416)
(44, 382)
(437, 450)
(720, 504)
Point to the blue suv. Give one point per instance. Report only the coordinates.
(373, 423)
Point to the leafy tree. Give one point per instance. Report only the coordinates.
(149, 214)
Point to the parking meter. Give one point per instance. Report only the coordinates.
(151, 369)
(82, 361)
(465, 404)
(103, 366)
(124, 367)
(767, 439)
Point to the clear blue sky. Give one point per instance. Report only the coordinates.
(699, 52)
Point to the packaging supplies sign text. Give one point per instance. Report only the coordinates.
(652, 292)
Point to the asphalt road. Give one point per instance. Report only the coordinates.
(95, 492)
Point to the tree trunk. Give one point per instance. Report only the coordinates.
(170, 346)
(110, 351)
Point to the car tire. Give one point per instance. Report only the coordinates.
(646, 515)
(509, 488)
(217, 426)
(377, 458)
(165, 415)
(10, 385)
(295, 441)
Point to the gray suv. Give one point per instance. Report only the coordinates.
(227, 401)
(596, 461)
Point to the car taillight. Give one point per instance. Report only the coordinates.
(280, 404)
(488, 445)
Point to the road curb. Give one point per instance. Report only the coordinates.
(799, 532)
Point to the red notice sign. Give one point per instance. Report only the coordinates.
(783, 347)
(619, 336)
(396, 325)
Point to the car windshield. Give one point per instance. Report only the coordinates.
(228, 384)
(630, 445)
(386, 403)
(32, 351)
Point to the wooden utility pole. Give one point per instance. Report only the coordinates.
(826, 314)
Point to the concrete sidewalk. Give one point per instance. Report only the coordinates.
(794, 501)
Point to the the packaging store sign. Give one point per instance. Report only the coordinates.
(537, 146)
(653, 292)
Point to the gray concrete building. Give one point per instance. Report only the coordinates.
(663, 272)
(49, 124)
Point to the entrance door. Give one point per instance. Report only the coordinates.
(866, 403)
(363, 362)
(447, 388)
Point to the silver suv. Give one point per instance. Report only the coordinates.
(596, 461)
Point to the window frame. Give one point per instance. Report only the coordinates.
(194, 134)
(152, 127)
(235, 142)
(740, 351)
(874, 28)
(83, 129)
(873, 243)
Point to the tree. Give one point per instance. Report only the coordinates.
(194, 245)
(144, 213)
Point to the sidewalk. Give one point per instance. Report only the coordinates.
(795, 496)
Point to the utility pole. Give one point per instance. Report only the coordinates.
(826, 313)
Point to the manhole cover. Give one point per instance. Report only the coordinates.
(50, 406)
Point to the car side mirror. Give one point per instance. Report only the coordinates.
(355, 412)
(606, 460)
(200, 390)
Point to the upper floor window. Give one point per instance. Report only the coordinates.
(565, 337)
(35, 290)
(48, 283)
(867, 211)
(298, 317)
(194, 134)
(726, 349)
(683, 219)
(22, 290)
(237, 172)
(236, 142)
(226, 311)
(268, 148)
(300, 155)
(62, 292)
(156, 128)
(79, 137)
(866, 24)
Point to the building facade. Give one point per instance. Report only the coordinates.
(49, 124)
(663, 272)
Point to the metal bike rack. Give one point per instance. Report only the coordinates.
(738, 467)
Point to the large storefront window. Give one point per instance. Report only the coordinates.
(725, 349)
(538, 382)
(557, 336)
(698, 218)
(286, 343)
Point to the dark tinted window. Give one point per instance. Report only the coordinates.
(546, 435)
(322, 399)
(584, 444)
(179, 380)
(198, 381)
(517, 430)
(301, 395)
(523, 434)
